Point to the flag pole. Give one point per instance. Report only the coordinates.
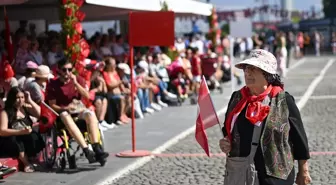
(220, 126)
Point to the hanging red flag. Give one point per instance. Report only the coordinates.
(206, 116)
(8, 39)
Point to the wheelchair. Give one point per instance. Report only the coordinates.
(59, 150)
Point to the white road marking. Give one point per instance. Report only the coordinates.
(319, 97)
(313, 85)
(297, 64)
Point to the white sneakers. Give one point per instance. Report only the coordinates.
(162, 104)
(149, 110)
(171, 95)
(105, 126)
(156, 107)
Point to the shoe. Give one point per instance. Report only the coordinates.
(106, 125)
(99, 153)
(6, 170)
(162, 104)
(156, 106)
(90, 155)
(149, 110)
(102, 128)
(171, 95)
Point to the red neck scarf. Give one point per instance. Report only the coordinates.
(256, 112)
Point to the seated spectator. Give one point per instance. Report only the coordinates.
(6, 170)
(28, 76)
(35, 54)
(55, 54)
(124, 73)
(154, 93)
(17, 137)
(143, 90)
(98, 86)
(186, 65)
(116, 88)
(182, 85)
(118, 48)
(64, 94)
(158, 71)
(22, 57)
(105, 49)
(37, 87)
(95, 52)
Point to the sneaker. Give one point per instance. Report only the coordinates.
(171, 95)
(106, 125)
(162, 104)
(6, 170)
(149, 110)
(102, 128)
(156, 106)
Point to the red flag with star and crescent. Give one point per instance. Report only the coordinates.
(206, 116)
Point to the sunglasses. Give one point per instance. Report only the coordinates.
(66, 70)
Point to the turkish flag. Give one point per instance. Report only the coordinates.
(206, 116)
(47, 118)
(8, 39)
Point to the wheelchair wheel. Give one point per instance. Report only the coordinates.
(61, 161)
(71, 160)
(51, 145)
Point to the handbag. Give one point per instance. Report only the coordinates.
(241, 170)
(20, 125)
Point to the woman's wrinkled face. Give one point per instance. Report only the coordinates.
(20, 99)
(254, 76)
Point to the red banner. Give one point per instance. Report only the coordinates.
(151, 28)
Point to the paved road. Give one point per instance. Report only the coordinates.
(184, 162)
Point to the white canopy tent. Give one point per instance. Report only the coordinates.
(97, 10)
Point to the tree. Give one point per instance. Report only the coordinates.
(329, 7)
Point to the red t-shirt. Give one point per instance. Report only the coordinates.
(64, 93)
(195, 63)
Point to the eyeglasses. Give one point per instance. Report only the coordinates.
(66, 70)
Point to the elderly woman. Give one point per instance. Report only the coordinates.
(263, 129)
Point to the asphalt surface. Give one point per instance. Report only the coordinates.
(184, 162)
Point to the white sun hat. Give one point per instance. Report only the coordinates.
(261, 59)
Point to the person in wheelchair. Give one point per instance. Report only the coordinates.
(63, 95)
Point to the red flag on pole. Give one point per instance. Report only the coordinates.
(47, 118)
(206, 116)
(8, 39)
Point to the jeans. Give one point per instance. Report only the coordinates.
(162, 86)
(143, 95)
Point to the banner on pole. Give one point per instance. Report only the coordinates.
(151, 28)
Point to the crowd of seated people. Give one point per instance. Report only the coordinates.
(41, 73)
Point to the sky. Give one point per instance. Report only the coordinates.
(297, 4)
